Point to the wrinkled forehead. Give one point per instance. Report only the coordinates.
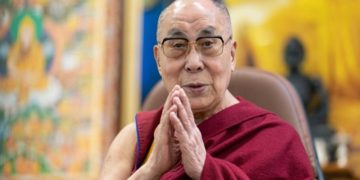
(191, 19)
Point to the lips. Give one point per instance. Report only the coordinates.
(195, 87)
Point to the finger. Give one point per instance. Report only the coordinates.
(165, 122)
(184, 117)
(185, 100)
(187, 106)
(167, 125)
(168, 102)
(178, 127)
(164, 125)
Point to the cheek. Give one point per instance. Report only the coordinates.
(221, 82)
(171, 68)
(221, 74)
(171, 73)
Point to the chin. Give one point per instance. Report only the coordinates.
(200, 103)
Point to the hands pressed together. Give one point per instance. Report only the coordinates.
(177, 138)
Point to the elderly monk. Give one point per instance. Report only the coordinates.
(203, 131)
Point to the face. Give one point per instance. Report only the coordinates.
(204, 77)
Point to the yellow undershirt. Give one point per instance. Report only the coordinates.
(148, 154)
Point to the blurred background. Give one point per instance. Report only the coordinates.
(74, 72)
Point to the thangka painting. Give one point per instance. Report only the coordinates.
(50, 95)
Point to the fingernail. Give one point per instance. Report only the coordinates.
(176, 93)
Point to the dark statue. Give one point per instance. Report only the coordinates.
(313, 95)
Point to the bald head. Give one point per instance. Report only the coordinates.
(195, 5)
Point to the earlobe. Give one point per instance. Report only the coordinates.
(233, 64)
(157, 58)
(233, 57)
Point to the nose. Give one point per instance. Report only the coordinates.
(193, 61)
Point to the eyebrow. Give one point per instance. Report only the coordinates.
(210, 30)
(175, 32)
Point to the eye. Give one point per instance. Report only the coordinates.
(206, 43)
(176, 44)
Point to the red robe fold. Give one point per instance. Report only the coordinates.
(242, 142)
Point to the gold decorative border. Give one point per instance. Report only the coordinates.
(130, 94)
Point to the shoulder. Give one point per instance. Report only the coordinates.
(128, 131)
(258, 119)
(258, 115)
(277, 124)
(244, 117)
(119, 160)
(120, 146)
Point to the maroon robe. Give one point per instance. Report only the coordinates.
(242, 142)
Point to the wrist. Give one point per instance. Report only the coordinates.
(146, 172)
(152, 171)
(196, 175)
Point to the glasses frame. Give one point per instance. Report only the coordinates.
(190, 43)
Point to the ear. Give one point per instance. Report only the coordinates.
(233, 57)
(156, 50)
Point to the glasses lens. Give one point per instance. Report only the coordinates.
(206, 46)
(175, 47)
(210, 46)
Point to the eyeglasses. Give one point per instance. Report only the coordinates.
(206, 46)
